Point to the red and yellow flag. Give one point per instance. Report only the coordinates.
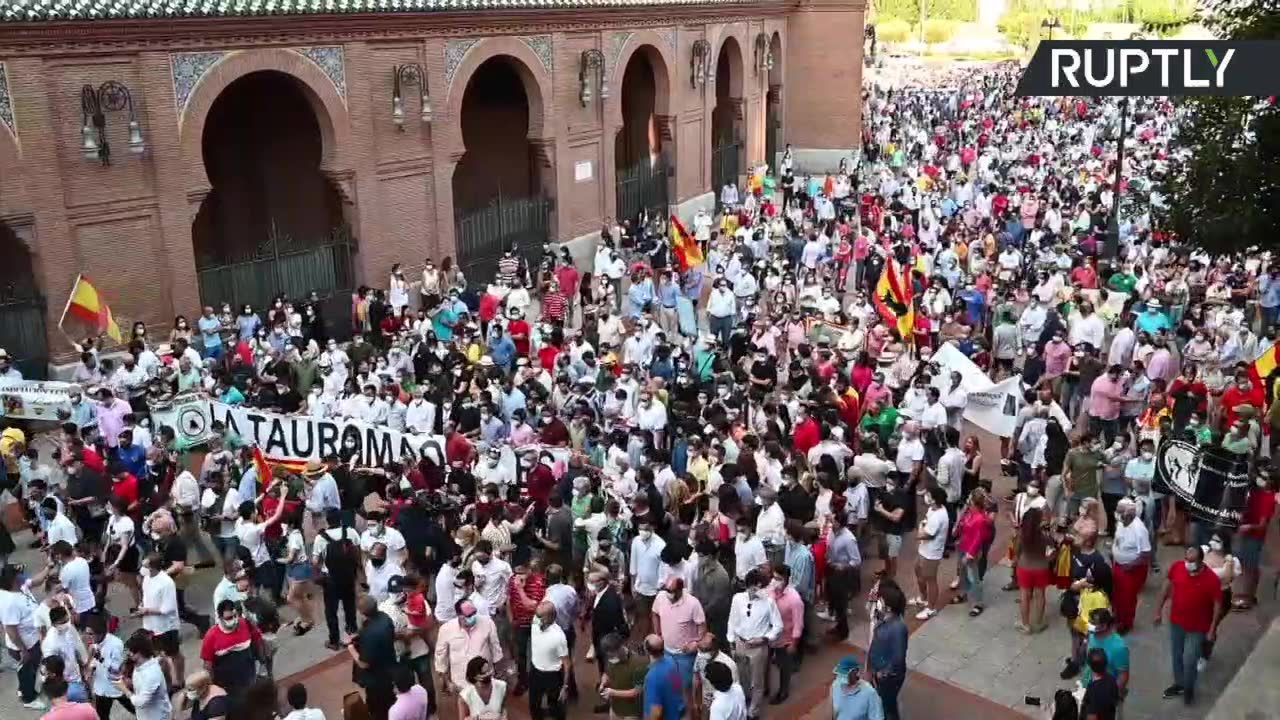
(894, 299)
(1266, 364)
(685, 247)
(262, 466)
(86, 304)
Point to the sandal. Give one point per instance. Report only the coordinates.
(959, 600)
(300, 628)
(975, 611)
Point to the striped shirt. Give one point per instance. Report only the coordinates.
(508, 266)
(554, 306)
(799, 558)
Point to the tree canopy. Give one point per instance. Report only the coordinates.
(1222, 190)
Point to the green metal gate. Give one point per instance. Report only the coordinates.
(22, 332)
(642, 187)
(725, 165)
(280, 266)
(482, 235)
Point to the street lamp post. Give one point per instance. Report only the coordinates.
(1113, 231)
(1050, 24)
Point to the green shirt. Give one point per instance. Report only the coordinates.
(1122, 282)
(882, 423)
(1117, 656)
(627, 675)
(1083, 465)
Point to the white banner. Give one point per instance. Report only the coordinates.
(35, 400)
(992, 406)
(296, 437)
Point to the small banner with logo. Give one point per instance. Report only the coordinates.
(1130, 68)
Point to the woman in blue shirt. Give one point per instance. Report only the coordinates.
(887, 656)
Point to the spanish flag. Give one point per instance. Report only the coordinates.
(686, 249)
(1265, 365)
(86, 304)
(894, 301)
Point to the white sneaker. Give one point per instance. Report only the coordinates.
(926, 613)
(1201, 664)
(36, 704)
(917, 602)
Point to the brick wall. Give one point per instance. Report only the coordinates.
(129, 226)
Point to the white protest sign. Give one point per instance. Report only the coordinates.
(35, 400)
(297, 437)
(991, 406)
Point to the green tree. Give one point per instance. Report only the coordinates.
(1223, 186)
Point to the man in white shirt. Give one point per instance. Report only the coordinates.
(754, 623)
(379, 569)
(954, 401)
(420, 417)
(932, 533)
(1086, 326)
(646, 565)
(60, 527)
(447, 590)
(771, 525)
(492, 576)
(379, 532)
(722, 311)
(63, 640)
(551, 660)
(749, 551)
(728, 701)
(21, 636)
(73, 576)
(148, 687)
(1130, 562)
(159, 611)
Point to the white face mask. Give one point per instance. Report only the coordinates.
(1215, 545)
(1147, 455)
(1033, 491)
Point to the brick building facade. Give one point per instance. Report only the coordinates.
(244, 137)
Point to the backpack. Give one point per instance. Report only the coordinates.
(341, 557)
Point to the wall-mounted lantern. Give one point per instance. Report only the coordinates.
(403, 76)
(700, 64)
(591, 74)
(763, 54)
(111, 96)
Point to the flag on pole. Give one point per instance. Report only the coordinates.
(263, 467)
(686, 249)
(1266, 364)
(86, 304)
(894, 301)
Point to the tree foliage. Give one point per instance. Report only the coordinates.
(909, 10)
(1222, 190)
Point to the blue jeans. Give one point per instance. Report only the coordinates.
(226, 546)
(76, 692)
(972, 582)
(1184, 651)
(684, 662)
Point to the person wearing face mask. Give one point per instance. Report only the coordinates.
(785, 650)
(378, 531)
(373, 651)
(1081, 471)
(203, 698)
(1218, 558)
(159, 610)
(147, 687)
(1131, 552)
(1260, 508)
(852, 697)
(754, 623)
(469, 636)
(1194, 595)
(230, 649)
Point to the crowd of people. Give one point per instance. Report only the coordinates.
(692, 464)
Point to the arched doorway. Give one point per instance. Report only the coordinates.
(273, 222)
(22, 308)
(773, 106)
(498, 195)
(639, 161)
(726, 119)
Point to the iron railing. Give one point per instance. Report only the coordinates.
(23, 334)
(482, 235)
(641, 187)
(725, 165)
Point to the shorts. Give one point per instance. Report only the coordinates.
(168, 642)
(892, 545)
(1249, 553)
(1034, 578)
(130, 562)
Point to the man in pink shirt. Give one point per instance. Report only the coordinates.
(679, 620)
(783, 650)
(411, 698)
(1105, 396)
(1057, 355)
(471, 634)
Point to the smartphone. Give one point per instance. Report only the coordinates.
(1031, 700)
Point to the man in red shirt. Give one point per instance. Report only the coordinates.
(1244, 392)
(457, 448)
(125, 487)
(1193, 618)
(519, 329)
(807, 432)
(1259, 510)
(230, 649)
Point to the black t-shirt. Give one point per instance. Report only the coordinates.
(1101, 698)
(895, 499)
(767, 371)
(173, 550)
(289, 401)
(216, 708)
(377, 646)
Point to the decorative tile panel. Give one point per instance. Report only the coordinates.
(332, 63)
(541, 46)
(187, 69)
(668, 36)
(454, 51)
(6, 102)
(617, 41)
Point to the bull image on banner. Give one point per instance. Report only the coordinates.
(1212, 482)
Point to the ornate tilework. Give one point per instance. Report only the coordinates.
(541, 46)
(454, 51)
(617, 41)
(187, 69)
(668, 36)
(6, 102)
(332, 63)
